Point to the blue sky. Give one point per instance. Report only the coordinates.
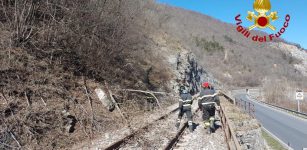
(226, 10)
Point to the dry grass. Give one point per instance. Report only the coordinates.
(281, 93)
(51, 51)
(272, 143)
(238, 117)
(55, 53)
(34, 95)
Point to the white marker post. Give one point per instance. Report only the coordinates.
(299, 96)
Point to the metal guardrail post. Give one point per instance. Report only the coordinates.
(254, 110)
(240, 104)
(245, 110)
(246, 107)
(249, 108)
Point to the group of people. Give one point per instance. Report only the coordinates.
(208, 102)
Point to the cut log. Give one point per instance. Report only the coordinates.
(102, 96)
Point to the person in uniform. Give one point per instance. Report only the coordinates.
(185, 107)
(208, 101)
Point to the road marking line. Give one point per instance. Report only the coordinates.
(286, 146)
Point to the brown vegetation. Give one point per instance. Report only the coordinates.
(55, 53)
(282, 93)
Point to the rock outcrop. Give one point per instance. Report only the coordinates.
(296, 52)
(188, 72)
(249, 135)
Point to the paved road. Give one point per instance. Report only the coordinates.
(289, 129)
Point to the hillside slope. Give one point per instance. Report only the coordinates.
(232, 58)
(54, 54)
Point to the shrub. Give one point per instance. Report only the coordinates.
(229, 39)
(209, 46)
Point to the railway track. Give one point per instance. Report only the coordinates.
(199, 139)
(162, 134)
(126, 140)
(164, 124)
(179, 136)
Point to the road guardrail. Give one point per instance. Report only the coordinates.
(285, 109)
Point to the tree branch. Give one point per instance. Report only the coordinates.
(113, 100)
(13, 136)
(148, 92)
(3, 96)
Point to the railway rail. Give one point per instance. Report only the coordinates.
(124, 140)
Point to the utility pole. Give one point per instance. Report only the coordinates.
(298, 106)
(299, 96)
